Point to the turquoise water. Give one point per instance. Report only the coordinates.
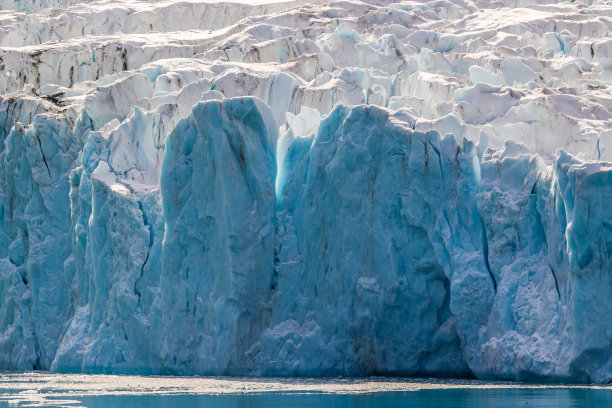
(39, 389)
(553, 398)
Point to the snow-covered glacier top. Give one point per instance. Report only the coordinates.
(517, 70)
(317, 188)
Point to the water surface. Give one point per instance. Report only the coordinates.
(61, 390)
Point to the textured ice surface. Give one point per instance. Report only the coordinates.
(291, 188)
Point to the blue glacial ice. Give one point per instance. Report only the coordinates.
(369, 248)
(338, 189)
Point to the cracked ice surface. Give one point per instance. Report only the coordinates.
(321, 188)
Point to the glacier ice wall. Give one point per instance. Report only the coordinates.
(218, 201)
(278, 188)
(364, 266)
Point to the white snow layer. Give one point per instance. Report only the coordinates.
(280, 188)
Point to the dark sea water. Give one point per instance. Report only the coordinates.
(96, 391)
(461, 398)
(419, 399)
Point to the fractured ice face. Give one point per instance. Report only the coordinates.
(282, 188)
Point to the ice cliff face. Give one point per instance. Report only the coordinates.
(279, 188)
